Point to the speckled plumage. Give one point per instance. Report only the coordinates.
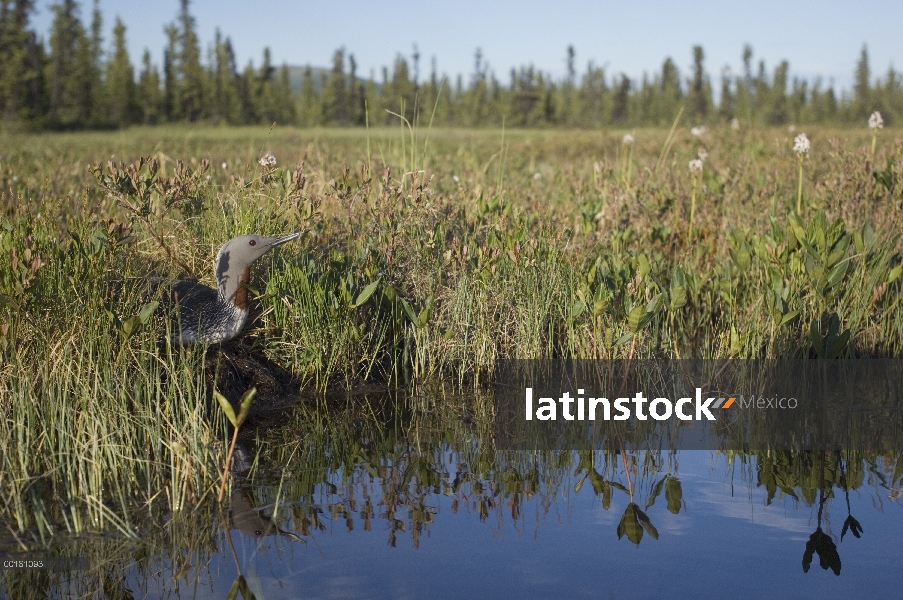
(212, 316)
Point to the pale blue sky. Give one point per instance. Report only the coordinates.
(634, 36)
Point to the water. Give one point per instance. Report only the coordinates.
(356, 504)
(725, 540)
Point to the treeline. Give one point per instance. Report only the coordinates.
(76, 80)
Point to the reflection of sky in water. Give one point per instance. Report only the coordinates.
(724, 543)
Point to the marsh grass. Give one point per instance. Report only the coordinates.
(404, 276)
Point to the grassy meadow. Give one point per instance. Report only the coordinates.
(426, 255)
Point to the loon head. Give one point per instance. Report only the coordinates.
(233, 263)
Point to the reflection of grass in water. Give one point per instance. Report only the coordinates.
(380, 464)
(401, 280)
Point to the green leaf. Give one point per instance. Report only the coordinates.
(655, 492)
(673, 494)
(788, 317)
(894, 273)
(630, 525)
(678, 297)
(408, 310)
(365, 294)
(130, 326)
(226, 406)
(636, 317)
(837, 273)
(857, 241)
(147, 310)
(646, 523)
(623, 339)
(643, 266)
(245, 406)
(577, 308)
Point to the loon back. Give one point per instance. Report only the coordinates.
(213, 316)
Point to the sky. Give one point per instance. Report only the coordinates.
(819, 38)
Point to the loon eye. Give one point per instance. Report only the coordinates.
(253, 242)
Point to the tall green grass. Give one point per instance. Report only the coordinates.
(432, 266)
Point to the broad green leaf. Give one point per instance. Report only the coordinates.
(646, 523)
(245, 406)
(623, 339)
(408, 310)
(643, 266)
(130, 325)
(894, 273)
(673, 494)
(678, 297)
(857, 241)
(636, 317)
(630, 525)
(837, 273)
(365, 294)
(656, 490)
(147, 310)
(226, 406)
(577, 308)
(788, 317)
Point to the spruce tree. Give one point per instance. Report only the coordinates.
(778, 112)
(120, 81)
(727, 107)
(171, 104)
(21, 62)
(700, 93)
(190, 72)
(672, 95)
(149, 96)
(309, 102)
(67, 54)
(862, 90)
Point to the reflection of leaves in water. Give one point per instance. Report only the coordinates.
(673, 494)
(853, 525)
(240, 585)
(821, 543)
(656, 490)
(633, 523)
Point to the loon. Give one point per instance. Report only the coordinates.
(213, 316)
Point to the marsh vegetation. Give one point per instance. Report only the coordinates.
(426, 256)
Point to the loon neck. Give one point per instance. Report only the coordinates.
(233, 292)
(241, 295)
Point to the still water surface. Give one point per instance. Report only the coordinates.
(395, 537)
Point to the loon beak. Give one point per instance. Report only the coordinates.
(283, 239)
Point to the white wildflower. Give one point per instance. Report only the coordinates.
(702, 154)
(791, 128)
(698, 131)
(735, 123)
(267, 160)
(801, 144)
(456, 179)
(695, 166)
(537, 176)
(875, 121)
(225, 165)
(627, 139)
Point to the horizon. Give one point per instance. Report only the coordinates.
(540, 39)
